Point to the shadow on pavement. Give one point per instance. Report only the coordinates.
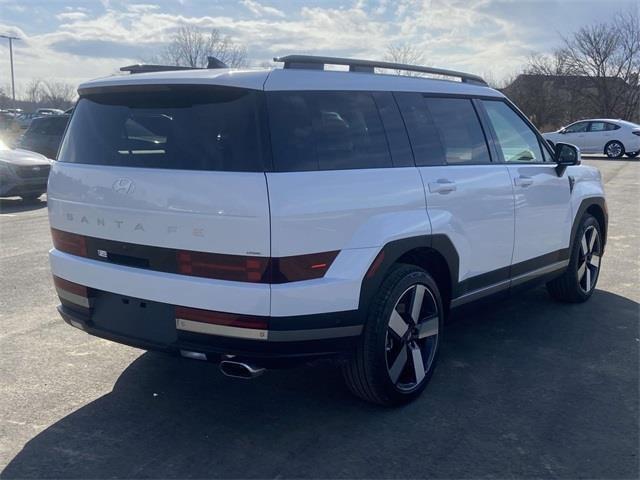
(524, 388)
(17, 204)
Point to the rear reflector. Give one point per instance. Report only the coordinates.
(71, 287)
(69, 242)
(73, 293)
(301, 267)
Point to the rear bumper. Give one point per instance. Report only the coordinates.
(246, 322)
(270, 354)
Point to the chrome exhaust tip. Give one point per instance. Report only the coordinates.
(234, 369)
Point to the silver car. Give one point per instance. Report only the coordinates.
(22, 173)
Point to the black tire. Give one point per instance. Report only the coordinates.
(31, 197)
(632, 154)
(571, 287)
(367, 372)
(614, 149)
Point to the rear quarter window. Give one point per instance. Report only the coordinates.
(170, 127)
(326, 131)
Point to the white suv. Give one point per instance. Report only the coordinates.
(614, 138)
(262, 218)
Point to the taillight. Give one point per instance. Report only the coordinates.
(69, 242)
(255, 269)
(223, 267)
(636, 132)
(301, 267)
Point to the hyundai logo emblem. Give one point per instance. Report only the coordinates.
(124, 186)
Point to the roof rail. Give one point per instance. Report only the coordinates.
(212, 63)
(312, 62)
(145, 68)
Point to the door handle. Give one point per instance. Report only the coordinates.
(442, 186)
(523, 181)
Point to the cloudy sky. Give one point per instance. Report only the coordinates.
(74, 40)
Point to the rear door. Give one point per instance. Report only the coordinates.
(179, 167)
(600, 133)
(343, 180)
(469, 197)
(542, 198)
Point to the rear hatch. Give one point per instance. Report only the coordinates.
(145, 172)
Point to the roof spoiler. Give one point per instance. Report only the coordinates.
(312, 62)
(212, 63)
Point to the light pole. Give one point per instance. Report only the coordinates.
(13, 82)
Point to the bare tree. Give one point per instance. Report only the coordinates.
(407, 54)
(548, 64)
(608, 55)
(50, 93)
(190, 47)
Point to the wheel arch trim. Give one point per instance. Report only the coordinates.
(596, 206)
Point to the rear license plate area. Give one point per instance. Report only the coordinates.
(134, 317)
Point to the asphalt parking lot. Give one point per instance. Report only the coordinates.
(525, 388)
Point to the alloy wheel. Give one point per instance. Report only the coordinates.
(589, 259)
(412, 337)
(614, 149)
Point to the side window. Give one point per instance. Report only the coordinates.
(612, 126)
(598, 127)
(425, 141)
(459, 129)
(516, 140)
(577, 127)
(395, 129)
(326, 131)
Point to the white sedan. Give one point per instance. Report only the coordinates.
(614, 138)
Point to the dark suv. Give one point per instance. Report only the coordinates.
(44, 135)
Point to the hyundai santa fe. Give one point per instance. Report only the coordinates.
(258, 219)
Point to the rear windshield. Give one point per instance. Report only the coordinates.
(177, 127)
(49, 126)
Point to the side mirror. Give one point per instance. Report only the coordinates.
(562, 130)
(566, 155)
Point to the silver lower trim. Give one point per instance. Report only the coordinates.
(222, 330)
(504, 285)
(314, 333)
(271, 335)
(482, 292)
(73, 298)
(539, 272)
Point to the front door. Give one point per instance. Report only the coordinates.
(576, 134)
(542, 197)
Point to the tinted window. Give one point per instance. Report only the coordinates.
(425, 141)
(516, 140)
(38, 127)
(577, 127)
(326, 131)
(602, 127)
(192, 128)
(459, 129)
(394, 127)
(55, 126)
